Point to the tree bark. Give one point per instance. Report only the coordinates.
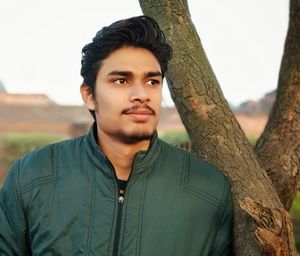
(279, 146)
(262, 225)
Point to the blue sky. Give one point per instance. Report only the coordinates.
(41, 42)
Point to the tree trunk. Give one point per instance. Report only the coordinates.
(279, 146)
(262, 226)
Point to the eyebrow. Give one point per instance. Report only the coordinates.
(153, 73)
(130, 74)
(120, 73)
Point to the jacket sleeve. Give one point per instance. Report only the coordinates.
(223, 241)
(13, 231)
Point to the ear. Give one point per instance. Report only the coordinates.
(87, 97)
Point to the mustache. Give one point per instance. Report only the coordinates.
(145, 107)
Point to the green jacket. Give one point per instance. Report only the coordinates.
(62, 199)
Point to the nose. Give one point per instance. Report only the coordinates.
(139, 94)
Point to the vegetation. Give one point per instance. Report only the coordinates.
(176, 137)
(252, 139)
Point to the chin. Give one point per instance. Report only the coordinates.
(135, 136)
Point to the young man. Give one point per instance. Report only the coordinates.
(118, 190)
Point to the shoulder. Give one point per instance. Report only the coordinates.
(40, 164)
(200, 177)
(208, 181)
(171, 150)
(196, 165)
(200, 169)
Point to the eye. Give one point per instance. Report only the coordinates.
(153, 82)
(120, 81)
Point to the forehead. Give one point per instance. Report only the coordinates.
(133, 59)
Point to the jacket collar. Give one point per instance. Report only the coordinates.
(143, 160)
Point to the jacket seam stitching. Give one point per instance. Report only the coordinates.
(22, 206)
(220, 215)
(200, 194)
(45, 179)
(198, 191)
(20, 201)
(19, 196)
(89, 238)
(147, 163)
(113, 222)
(202, 197)
(36, 183)
(139, 239)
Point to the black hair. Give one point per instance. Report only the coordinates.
(140, 31)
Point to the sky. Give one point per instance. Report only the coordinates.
(41, 42)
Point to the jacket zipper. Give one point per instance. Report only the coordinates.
(27, 243)
(121, 198)
(118, 224)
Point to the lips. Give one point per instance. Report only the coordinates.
(139, 114)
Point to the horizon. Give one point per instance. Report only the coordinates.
(80, 104)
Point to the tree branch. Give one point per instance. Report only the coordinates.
(279, 146)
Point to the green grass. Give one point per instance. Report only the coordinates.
(252, 139)
(179, 137)
(39, 138)
(175, 137)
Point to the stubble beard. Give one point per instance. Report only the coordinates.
(135, 136)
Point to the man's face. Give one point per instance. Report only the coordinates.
(128, 94)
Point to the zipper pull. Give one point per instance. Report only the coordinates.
(121, 199)
(121, 193)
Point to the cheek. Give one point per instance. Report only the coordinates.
(108, 107)
(103, 99)
(157, 98)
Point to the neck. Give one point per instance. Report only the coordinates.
(119, 153)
